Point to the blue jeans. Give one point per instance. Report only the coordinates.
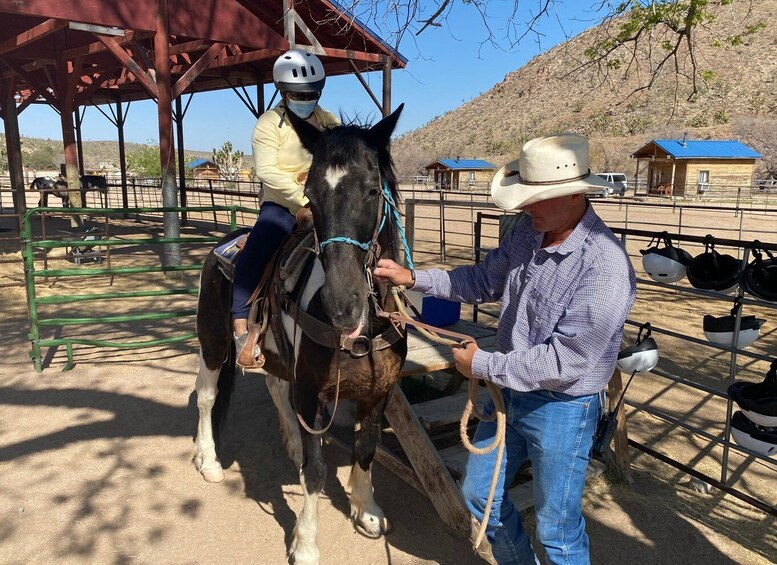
(272, 226)
(554, 431)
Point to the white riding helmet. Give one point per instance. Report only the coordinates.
(298, 70)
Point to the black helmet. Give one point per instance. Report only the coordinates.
(714, 271)
(642, 356)
(665, 264)
(758, 401)
(760, 278)
(720, 330)
(752, 436)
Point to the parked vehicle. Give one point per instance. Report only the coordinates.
(619, 183)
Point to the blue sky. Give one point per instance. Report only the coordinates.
(446, 67)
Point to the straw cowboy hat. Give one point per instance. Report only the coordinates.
(548, 167)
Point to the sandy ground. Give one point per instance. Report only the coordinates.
(97, 469)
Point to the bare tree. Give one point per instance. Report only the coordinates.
(229, 161)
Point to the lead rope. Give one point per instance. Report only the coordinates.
(470, 408)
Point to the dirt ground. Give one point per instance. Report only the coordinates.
(97, 467)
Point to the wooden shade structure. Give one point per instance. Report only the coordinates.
(73, 53)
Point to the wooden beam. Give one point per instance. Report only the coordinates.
(131, 65)
(32, 81)
(85, 93)
(99, 46)
(194, 71)
(428, 466)
(29, 99)
(33, 34)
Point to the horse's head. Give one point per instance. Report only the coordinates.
(345, 187)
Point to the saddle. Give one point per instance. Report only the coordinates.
(286, 273)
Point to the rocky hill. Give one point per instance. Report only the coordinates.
(736, 100)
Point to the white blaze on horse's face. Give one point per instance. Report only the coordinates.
(334, 175)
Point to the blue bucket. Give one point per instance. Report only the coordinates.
(440, 312)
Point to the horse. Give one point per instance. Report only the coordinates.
(352, 188)
(48, 185)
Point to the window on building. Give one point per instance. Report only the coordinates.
(704, 181)
(471, 178)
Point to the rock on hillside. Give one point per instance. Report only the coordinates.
(553, 93)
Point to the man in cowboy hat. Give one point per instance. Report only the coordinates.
(566, 285)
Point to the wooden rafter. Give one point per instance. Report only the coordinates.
(99, 46)
(194, 71)
(33, 34)
(32, 81)
(130, 64)
(85, 93)
(27, 100)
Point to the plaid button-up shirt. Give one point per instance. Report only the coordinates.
(563, 307)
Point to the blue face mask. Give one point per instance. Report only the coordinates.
(302, 108)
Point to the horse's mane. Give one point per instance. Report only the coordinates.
(340, 147)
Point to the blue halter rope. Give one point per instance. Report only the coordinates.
(389, 210)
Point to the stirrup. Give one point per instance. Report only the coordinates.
(245, 358)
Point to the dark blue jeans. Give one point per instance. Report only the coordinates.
(555, 432)
(272, 226)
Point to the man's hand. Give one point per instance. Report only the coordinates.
(390, 271)
(462, 356)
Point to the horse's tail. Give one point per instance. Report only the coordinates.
(226, 384)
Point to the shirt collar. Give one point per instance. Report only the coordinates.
(576, 238)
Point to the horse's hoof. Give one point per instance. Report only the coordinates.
(213, 474)
(304, 556)
(372, 527)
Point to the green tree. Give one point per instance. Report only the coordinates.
(41, 158)
(144, 161)
(3, 159)
(229, 161)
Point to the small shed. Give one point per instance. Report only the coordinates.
(690, 168)
(461, 174)
(203, 169)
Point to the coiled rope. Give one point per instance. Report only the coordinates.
(470, 407)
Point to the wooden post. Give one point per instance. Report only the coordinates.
(260, 92)
(66, 102)
(671, 184)
(387, 88)
(622, 461)
(78, 118)
(172, 229)
(181, 165)
(636, 180)
(429, 468)
(13, 147)
(122, 156)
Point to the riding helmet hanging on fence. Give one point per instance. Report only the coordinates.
(758, 401)
(642, 356)
(752, 436)
(298, 70)
(760, 278)
(714, 271)
(720, 330)
(664, 264)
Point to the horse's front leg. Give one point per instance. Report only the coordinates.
(304, 545)
(205, 459)
(365, 512)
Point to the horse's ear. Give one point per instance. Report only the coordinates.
(379, 135)
(308, 134)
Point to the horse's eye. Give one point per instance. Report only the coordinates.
(373, 192)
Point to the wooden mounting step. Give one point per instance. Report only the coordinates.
(446, 410)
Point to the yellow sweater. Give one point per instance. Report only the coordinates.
(280, 160)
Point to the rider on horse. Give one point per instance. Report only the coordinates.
(281, 165)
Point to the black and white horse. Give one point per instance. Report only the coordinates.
(352, 190)
(48, 185)
(58, 187)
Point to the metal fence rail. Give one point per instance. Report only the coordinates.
(32, 245)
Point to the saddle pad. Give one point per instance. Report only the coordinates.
(226, 253)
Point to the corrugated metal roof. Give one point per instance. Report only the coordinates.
(707, 149)
(197, 162)
(466, 164)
